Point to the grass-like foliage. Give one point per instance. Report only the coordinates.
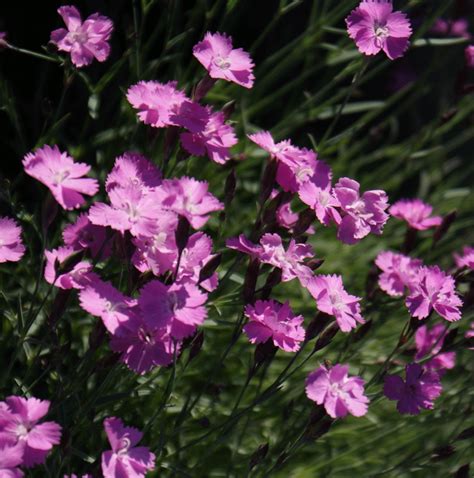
(257, 305)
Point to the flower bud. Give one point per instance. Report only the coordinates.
(268, 180)
(317, 325)
(49, 210)
(273, 279)
(361, 331)
(305, 219)
(258, 455)
(203, 88)
(3, 40)
(443, 452)
(462, 472)
(196, 345)
(264, 353)
(228, 109)
(229, 188)
(210, 267)
(182, 233)
(443, 228)
(250, 281)
(315, 264)
(326, 337)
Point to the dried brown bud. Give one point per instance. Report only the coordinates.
(258, 455)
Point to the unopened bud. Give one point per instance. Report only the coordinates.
(182, 233)
(203, 88)
(326, 337)
(315, 264)
(317, 325)
(229, 188)
(97, 335)
(268, 180)
(443, 228)
(210, 267)
(463, 471)
(196, 345)
(362, 331)
(443, 452)
(449, 339)
(264, 353)
(250, 281)
(228, 109)
(49, 210)
(3, 40)
(273, 279)
(305, 219)
(313, 432)
(258, 455)
(466, 434)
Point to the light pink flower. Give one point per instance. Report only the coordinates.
(133, 170)
(143, 347)
(19, 424)
(84, 235)
(131, 209)
(416, 213)
(430, 342)
(374, 26)
(61, 175)
(162, 104)
(83, 41)
(179, 307)
(11, 245)
(103, 300)
(466, 259)
(339, 393)
(215, 53)
(362, 214)
(295, 165)
(10, 458)
(269, 319)
(316, 192)
(190, 198)
(158, 251)
(242, 244)
(399, 272)
(469, 55)
(215, 139)
(419, 390)
(332, 298)
(78, 277)
(125, 460)
(434, 289)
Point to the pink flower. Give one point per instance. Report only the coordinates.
(374, 26)
(11, 245)
(84, 41)
(133, 170)
(158, 251)
(132, 209)
(316, 192)
(419, 390)
(215, 53)
(61, 175)
(295, 165)
(242, 244)
(178, 307)
(434, 289)
(339, 393)
(190, 198)
(416, 213)
(19, 425)
(84, 235)
(399, 272)
(215, 139)
(466, 259)
(162, 104)
(103, 300)
(77, 275)
(125, 460)
(363, 214)
(469, 55)
(456, 28)
(332, 298)
(269, 319)
(10, 458)
(430, 342)
(286, 217)
(142, 347)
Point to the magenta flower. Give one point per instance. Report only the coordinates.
(19, 419)
(416, 213)
(269, 319)
(317, 194)
(242, 244)
(178, 307)
(339, 393)
(158, 251)
(11, 245)
(419, 390)
(215, 139)
(374, 26)
(103, 300)
(216, 55)
(10, 458)
(83, 41)
(286, 217)
(61, 175)
(190, 198)
(466, 259)
(434, 289)
(141, 346)
(131, 209)
(332, 298)
(125, 460)
(430, 342)
(399, 272)
(456, 28)
(135, 171)
(162, 104)
(295, 165)
(78, 277)
(362, 214)
(84, 235)
(469, 55)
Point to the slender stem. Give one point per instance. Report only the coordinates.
(33, 54)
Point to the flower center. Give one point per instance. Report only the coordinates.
(145, 336)
(60, 176)
(221, 63)
(22, 431)
(123, 446)
(336, 301)
(79, 37)
(381, 31)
